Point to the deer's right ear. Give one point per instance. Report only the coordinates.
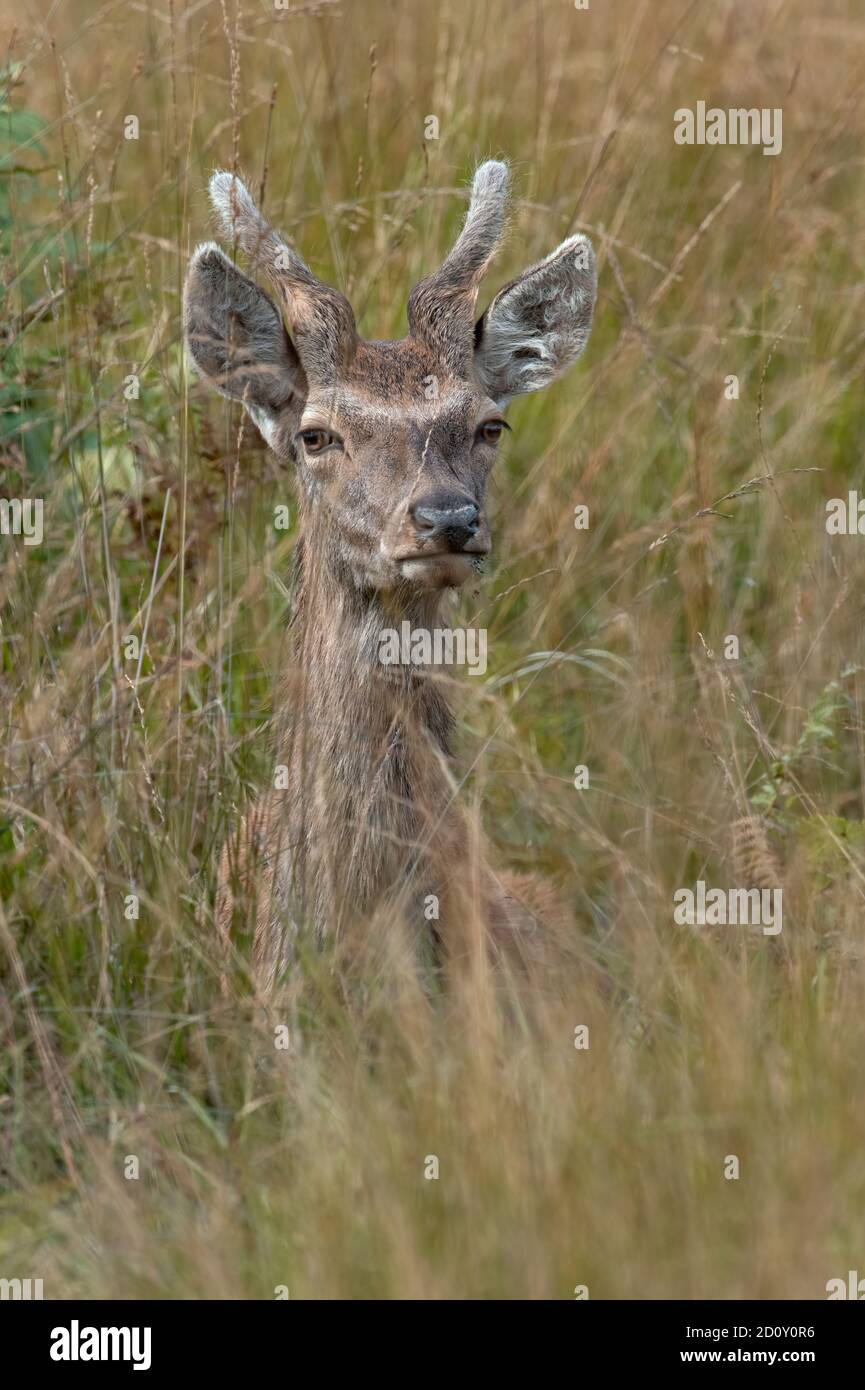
(236, 337)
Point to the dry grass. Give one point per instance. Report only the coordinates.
(558, 1167)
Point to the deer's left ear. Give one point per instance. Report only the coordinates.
(537, 326)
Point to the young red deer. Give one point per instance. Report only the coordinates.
(393, 443)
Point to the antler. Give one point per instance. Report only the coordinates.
(321, 319)
(441, 309)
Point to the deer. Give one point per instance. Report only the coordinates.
(392, 444)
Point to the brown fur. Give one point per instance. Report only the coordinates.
(370, 817)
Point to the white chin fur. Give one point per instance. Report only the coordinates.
(439, 572)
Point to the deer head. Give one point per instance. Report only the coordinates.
(393, 441)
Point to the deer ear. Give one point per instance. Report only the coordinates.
(537, 326)
(236, 337)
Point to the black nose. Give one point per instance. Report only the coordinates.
(447, 517)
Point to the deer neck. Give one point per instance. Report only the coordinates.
(360, 710)
(368, 744)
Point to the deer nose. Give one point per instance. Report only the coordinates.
(446, 517)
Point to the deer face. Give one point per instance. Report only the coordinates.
(393, 441)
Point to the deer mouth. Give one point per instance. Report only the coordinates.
(440, 569)
(470, 553)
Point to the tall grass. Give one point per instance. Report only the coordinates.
(304, 1167)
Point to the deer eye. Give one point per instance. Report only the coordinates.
(316, 441)
(491, 431)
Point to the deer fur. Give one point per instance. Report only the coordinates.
(392, 478)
